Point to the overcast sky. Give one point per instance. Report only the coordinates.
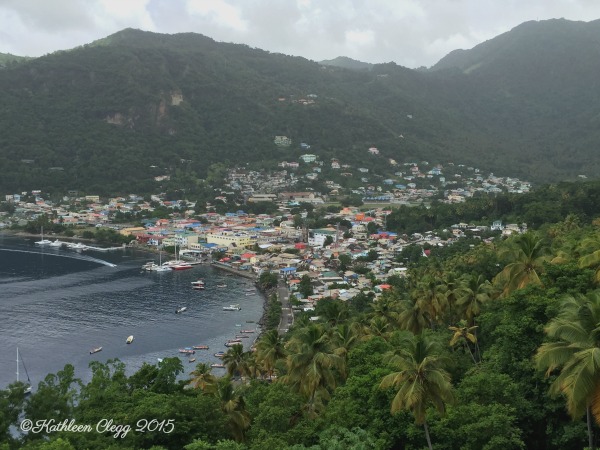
(411, 33)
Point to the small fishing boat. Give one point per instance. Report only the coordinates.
(180, 310)
(234, 340)
(187, 351)
(242, 336)
(200, 347)
(249, 321)
(232, 308)
(248, 331)
(231, 344)
(238, 324)
(129, 340)
(218, 365)
(219, 354)
(95, 350)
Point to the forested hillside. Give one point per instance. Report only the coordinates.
(111, 115)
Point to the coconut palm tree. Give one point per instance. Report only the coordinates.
(345, 336)
(430, 296)
(420, 380)
(478, 291)
(414, 316)
(386, 306)
(377, 326)
(313, 366)
(270, 349)
(465, 335)
(234, 360)
(575, 355)
(233, 405)
(590, 249)
(526, 258)
(203, 379)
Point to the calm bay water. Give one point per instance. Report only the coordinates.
(57, 304)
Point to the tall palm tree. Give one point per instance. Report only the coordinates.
(453, 289)
(386, 307)
(233, 405)
(269, 350)
(590, 248)
(414, 316)
(464, 335)
(420, 381)
(203, 379)
(313, 366)
(345, 336)
(575, 354)
(429, 295)
(234, 360)
(377, 326)
(527, 256)
(478, 291)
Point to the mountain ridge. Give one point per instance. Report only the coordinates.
(118, 111)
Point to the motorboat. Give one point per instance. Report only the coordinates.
(221, 285)
(217, 366)
(200, 347)
(180, 310)
(234, 340)
(220, 354)
(192, 360)
(198, 287)
(231, 344)
(187, 351)
(77, 246)
(232, 308)
(56, 243)
(198, 282)
(248, 331)
(95, 350)
(129, 339)
(162, 269)
(150, 265)
(242, 336)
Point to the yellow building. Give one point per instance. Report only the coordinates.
(231, 239)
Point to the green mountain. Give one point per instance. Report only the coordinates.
(6, 59)
(110, 116)
(347, 63)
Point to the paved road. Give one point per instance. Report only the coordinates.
(287, 315)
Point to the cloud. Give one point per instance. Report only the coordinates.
(410, 32)
(219, 12)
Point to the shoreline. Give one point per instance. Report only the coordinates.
(251, 276)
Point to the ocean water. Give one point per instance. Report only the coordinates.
(58, 304)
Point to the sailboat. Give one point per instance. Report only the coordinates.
(43, 241)
(27, 389)
(161, 267)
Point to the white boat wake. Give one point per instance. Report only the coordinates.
(78, 257)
